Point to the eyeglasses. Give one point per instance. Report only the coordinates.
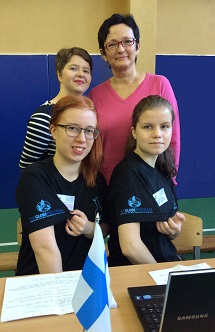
(115, 44)
(74, 131)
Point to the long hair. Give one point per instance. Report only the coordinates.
(92, 162)
(113, 20)
(166, 160)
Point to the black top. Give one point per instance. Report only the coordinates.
(130, 199)
(40, 207)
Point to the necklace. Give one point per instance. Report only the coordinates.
(124, 85)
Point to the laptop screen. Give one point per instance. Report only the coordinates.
(189, 303)
(186, 303)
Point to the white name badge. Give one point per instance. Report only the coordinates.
(69, 201)
(160, 197)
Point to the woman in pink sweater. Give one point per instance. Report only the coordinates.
(116, 98)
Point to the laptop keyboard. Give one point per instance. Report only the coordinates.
(151, 314)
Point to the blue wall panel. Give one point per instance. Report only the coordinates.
(27, 81)
(190, 77)
(23, 86)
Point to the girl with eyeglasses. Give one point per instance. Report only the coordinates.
(59, 197)
(119, 43)
(74, 72)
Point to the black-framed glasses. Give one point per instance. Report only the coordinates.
(113, 45)
(74, 131)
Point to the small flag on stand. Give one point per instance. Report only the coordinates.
(93, 298)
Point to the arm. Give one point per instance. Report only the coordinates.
(132, 246)
(172, 227)
(37, 139)
(46, 251)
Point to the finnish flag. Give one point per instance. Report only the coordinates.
(93, 298)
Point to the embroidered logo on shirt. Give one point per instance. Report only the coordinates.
(43, 206)
(134, 204)
(45, 215)
(134, 201)
(135, 210)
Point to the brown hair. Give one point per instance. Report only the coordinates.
(166, 160)
(63, 56)
(92, 162)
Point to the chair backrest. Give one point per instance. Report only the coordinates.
(19, 232)
(8, 260)
(191, 235)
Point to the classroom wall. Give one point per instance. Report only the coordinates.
(185, 27)
(44, 27)
(177, 40)
(38, 26)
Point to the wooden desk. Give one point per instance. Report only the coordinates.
(123, 318)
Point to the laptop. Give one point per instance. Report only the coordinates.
(186, 303)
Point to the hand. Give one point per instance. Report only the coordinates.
(171, 227)
(79, 224)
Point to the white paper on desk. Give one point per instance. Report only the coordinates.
(161, 276)
(39, 295)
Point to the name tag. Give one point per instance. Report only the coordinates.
(69, 201)
(160, 197)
